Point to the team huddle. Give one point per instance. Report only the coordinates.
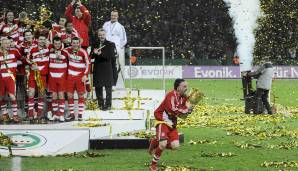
(50, 61)
(52, 67)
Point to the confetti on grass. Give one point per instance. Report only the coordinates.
(192, 142)
(139, 134)
(229, 154)
(82, 155)
(282, 164)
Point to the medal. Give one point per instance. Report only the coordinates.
(112, 26)
(177, 99)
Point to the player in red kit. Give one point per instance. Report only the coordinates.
(174, 105)
(78, 68)
(57, 29)
(10, 27)
(38, 58)
(81, 21)
(24, 47)
(57, 78)
(8, 67)
(69, 33)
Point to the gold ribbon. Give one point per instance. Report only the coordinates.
(39, 83)
(162, 122)
(37, 77)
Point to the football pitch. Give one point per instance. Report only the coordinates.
(218, 136)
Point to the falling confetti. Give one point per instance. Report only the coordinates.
(176, 25)
(276, 37)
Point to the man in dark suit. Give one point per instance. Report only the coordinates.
(105, 70)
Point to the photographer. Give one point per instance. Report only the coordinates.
(264, 76)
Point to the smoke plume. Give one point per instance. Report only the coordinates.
(244, 14)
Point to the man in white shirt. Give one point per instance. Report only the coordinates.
(115, 33)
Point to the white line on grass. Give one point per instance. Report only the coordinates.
(16, 164)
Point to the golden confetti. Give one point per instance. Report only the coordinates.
(192, 142)
(91, 105)
(229, 154)
(91, 124)
(283, 164)
(139, 134)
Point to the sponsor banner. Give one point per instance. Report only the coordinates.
(207, 72)
(46, 142)
(289, 72)
(211, 72)
(151, 72)
(233, 72)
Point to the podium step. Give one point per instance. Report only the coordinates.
(115, 114)
(124, 142)
(50, 142)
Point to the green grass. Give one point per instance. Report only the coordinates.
(190, 155)
(228, 91)
(4, 164)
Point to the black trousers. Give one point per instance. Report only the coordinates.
(100, 99)
(21, 94)
(262, 99)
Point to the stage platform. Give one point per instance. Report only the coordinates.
(99, 130)
(124, 142)
(70, 137)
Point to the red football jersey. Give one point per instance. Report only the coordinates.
(58, 64)
(172, 106)
(8, 62)
(78, 62)
(41, 57)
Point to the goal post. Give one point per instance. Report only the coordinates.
(149, 48)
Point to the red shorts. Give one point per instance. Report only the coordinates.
(76, 84)
(0, 85)
(56, 84)
(164, 132)
(32, 81)
(8, 85)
